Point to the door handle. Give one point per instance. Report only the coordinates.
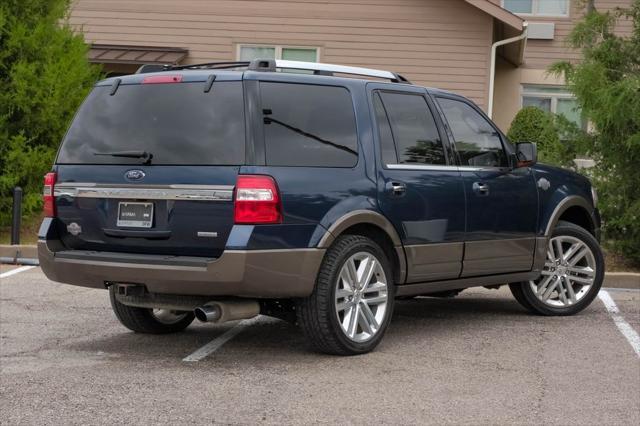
(396, 188)
(481, 188)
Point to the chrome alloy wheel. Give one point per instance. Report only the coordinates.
(361, 297)
(167, 316)
(568, 274)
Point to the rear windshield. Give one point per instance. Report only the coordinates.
(175, 123)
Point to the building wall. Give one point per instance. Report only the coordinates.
(539, 55)
(441, 43)
(508, 90)
(506, 102)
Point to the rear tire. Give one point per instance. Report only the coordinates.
(571, 278)
(150, 321)
(352, 303)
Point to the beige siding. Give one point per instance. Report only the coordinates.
(624, 26)
(442, 43)
(507, 94)
(539, 55)
(542, 53)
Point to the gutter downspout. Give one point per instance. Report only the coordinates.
(492, 73)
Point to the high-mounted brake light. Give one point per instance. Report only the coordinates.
(257, 200)
(48, 197)
(162, 79)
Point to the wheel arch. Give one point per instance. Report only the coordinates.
(573, 209)
(375, 226)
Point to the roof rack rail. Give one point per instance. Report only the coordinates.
(211, 65)
(274, 65)
(324, 69)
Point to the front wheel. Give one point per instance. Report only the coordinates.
(352, 303)
(572, 275)
(152, 321)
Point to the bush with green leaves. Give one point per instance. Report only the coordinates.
(559, 140)
(606, 84)
(44, 75)
(532, 124)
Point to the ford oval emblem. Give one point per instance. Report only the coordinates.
(134, 174)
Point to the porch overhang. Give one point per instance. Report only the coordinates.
(135, 55)
(126, 59)
(499, 13)
(506, 25)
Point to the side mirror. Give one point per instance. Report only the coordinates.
(526, 154)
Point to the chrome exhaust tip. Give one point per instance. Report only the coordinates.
(208, 313)
(228, 310)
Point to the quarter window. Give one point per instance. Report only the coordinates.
(307, 125)
(476, 140)
(538, 7)
(412, 127)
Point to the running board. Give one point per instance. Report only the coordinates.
(462, 283)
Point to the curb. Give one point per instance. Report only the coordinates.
(19, 251)
(622, 280)
(612, 279)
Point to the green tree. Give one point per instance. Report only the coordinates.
(606, 84)
(44, 75)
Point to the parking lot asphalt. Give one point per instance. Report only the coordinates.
(476, 359)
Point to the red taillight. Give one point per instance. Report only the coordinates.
(257, 200)
(162, 79)
(49, 199)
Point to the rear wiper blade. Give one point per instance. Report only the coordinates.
(144, 155)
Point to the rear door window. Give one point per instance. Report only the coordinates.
(477, 142)
(308, 125)
(176, 123)
(412, 127)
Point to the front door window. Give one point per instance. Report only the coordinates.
(477, 142)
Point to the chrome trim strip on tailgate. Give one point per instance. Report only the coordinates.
(145, 192)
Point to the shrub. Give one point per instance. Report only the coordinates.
(532, 124)
(44, 75)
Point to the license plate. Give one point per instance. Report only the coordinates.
(135, 215)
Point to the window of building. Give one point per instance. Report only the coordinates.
(406, 118)
(553, 99)
(476, 140)
(538, 7)
(308, 125)
(305, 54)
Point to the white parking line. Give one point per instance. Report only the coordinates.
(16, 271)
(217, 343)
(625, 328)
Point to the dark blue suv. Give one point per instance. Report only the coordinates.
(227, 190)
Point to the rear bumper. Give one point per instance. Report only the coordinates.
(243, 273)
